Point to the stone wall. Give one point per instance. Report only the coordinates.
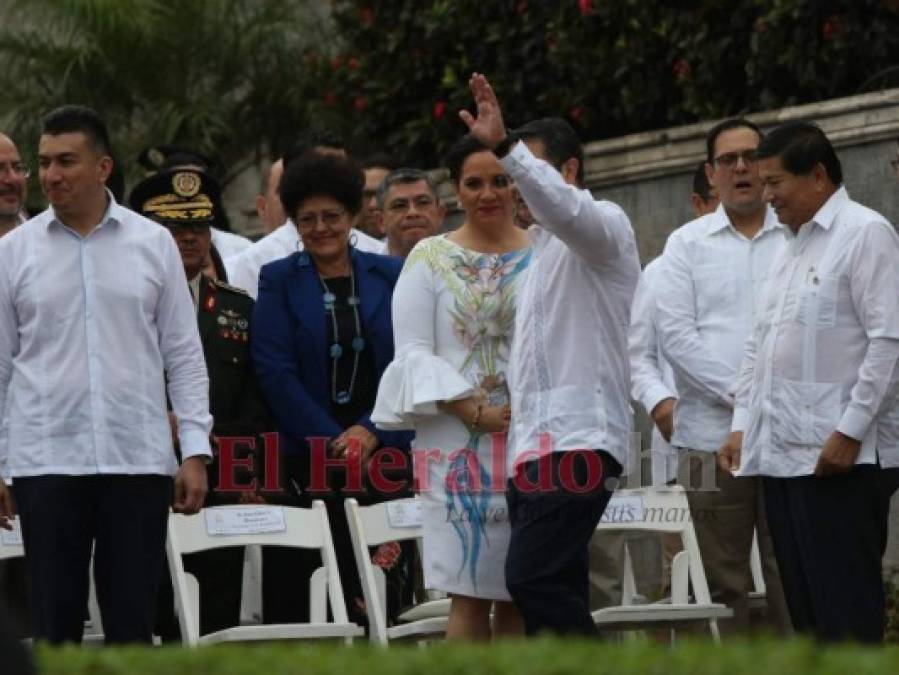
(649, 174)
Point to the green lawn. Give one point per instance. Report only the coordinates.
(537, 657)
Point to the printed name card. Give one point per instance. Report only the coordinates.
(249, 520)
(11, 537)
(404, 513)
(623, 509)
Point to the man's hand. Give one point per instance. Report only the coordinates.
(663, 416)
(7, 508)
(488, 128)
(495, 418)
(190, 486)
(838, 456)
(729, 454)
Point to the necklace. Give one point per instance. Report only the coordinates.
(336, 351)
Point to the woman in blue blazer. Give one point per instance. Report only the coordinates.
(322, 337)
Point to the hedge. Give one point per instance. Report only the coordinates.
(543, 657)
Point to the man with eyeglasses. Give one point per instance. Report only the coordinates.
(411, 209)
(13, 185)
(715, 268)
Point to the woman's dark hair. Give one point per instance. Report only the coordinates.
(800, 146)
(317, 175)
(462, 150)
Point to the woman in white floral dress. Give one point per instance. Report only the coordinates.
(453, 315)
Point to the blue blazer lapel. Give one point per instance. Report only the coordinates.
(374, 291)
(305, 299)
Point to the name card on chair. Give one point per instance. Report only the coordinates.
(405, 513)
(249, 520)
(12, 537)
(623, 509)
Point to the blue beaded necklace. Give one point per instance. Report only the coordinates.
(336, 351)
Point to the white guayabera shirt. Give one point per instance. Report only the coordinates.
(652, 379)
(89, 328)
(569, 369)
(243, 268)
(705, 311)
(824, 349)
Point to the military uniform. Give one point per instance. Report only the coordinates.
(185, 202)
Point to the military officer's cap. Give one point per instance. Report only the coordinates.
(179, 197)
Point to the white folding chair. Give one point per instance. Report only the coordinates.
(660, 509)
(302, 528)
(373, 526)
(758, 596)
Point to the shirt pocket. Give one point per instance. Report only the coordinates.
(816, 301)
(805, 413)
(715, 288)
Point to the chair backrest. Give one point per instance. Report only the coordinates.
(11, 542)
(371, 526)
(302, 528)
(659, 509)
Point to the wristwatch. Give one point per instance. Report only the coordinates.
(504, 146)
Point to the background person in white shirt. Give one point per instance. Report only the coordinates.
(568, 370)
(13, 185)
(93, 308)
(715, 267)
(818, 365)
(411, 210)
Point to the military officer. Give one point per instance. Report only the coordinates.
(184, 201)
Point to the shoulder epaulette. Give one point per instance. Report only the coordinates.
(228, 287)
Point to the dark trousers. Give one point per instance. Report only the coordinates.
(123, 518)
(828, 534)
(547, 566)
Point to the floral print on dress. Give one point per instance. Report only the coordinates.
(483, 319)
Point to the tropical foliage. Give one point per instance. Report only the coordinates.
(234, 78)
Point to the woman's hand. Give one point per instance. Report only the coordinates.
(355, 439)
(475, 413)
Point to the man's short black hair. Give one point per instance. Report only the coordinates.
(70, 119)
(309, 140)
(459, 152)
(405, 176)
(317, 175)
(380, 160)
(800, 146)
(726, 125)
(701, 184)
(559, 139)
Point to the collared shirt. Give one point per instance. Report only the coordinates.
(569, 377)
(824, 348)
(243, 268)
(194, 286)
(652, 378)
(705, 310)
(89, 328)
(228, 243)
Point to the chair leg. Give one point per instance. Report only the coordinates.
(713, 629)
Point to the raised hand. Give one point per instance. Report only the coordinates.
(488, 127)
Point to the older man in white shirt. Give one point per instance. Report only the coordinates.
(819, 365)
(569, 379)
(95, 315)
(715, 267)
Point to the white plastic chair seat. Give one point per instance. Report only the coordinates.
(635, 615)
(283, 631)
(432, 609)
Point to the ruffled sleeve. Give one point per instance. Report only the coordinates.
(417, 379)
